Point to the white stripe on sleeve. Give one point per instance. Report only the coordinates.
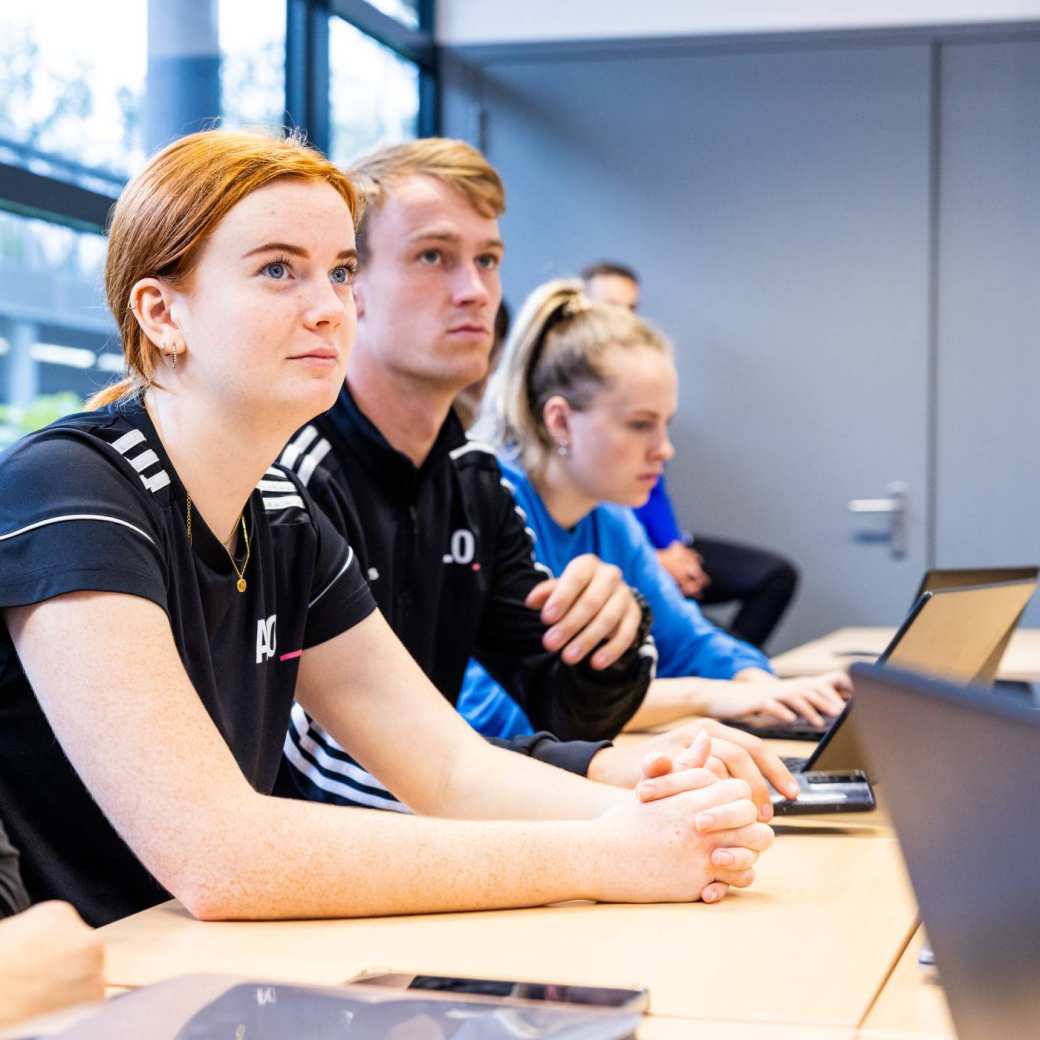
(339, 574)
(76, 516)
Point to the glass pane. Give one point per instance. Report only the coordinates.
(252, 72)
(373, 93)
(58, 342)
(87, 90)
(405, 11)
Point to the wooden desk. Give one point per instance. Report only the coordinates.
(912, 1004)
(810, 944)
(657, 1028)
(838, 650)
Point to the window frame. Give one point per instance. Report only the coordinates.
(307, 103)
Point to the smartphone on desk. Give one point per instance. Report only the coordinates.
(634, 1000)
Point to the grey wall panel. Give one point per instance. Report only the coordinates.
(988, 488)
(776, 203)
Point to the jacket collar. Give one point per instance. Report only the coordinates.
(356, 434)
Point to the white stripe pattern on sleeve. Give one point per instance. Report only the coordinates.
(279, 492)
(536, 563)
(142, 461)
(304, 454)
(339, 574)
(325, 765)
(310, 462)
(297, 446)
(649, 649)
(465, 449)
(283, 502)
(77, 516)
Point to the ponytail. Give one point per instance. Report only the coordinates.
(556, 347)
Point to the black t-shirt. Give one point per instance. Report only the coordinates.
(93, 503)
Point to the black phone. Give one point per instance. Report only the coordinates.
(828, 792)
(635, 999)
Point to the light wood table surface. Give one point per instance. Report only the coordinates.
(658, 1028)
(811, 943)
(844, 646)
(912, 1004)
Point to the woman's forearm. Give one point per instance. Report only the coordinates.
(332, 861)
(492, 783)
(671, 699)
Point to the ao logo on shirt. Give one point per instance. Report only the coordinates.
(463, 547)
(266, 639)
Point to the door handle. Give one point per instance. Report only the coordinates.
(897, 508)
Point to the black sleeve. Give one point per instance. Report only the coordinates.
(573, 702)
(72, 518)
(13, 896)
(572, 755)
(339, 595)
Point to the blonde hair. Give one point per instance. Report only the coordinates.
(455, 163)
(557, 345)
(166, 213)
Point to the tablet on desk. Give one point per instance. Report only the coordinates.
(623, 999)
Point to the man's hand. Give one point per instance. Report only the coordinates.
(692, 845)
(815, 698)
(732, 753)
(588, 604)
(48, 959)
(686, 566)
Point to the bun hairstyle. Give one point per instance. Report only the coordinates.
(166, 213)
(557, 345)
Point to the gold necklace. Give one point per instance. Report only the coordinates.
(239, 571)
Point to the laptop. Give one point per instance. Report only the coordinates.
(952, 632)
(934, 580)
(959, 767)
(957, 577)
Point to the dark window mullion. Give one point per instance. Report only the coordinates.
(307, 69)
(47, 198)
(414, 44)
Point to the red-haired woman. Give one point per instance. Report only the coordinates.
(166, 592)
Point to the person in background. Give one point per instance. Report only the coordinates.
(710, 570)
(49, 959)
(166, 591)
(446, 552)
(579, 408)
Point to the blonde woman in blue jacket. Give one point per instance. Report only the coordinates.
(578, 411)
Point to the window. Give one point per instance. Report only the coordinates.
(88, 90)
(405, 11)
(57, 337)
(373, 93)
(71, 89)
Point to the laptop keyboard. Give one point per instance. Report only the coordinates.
(834, 778)
(783, 730)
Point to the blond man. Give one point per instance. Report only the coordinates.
(447, 553)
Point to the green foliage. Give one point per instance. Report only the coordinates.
(44, 410)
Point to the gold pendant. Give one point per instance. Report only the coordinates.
(241, 585)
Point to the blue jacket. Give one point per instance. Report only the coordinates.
(658, 517)
(687, 643)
